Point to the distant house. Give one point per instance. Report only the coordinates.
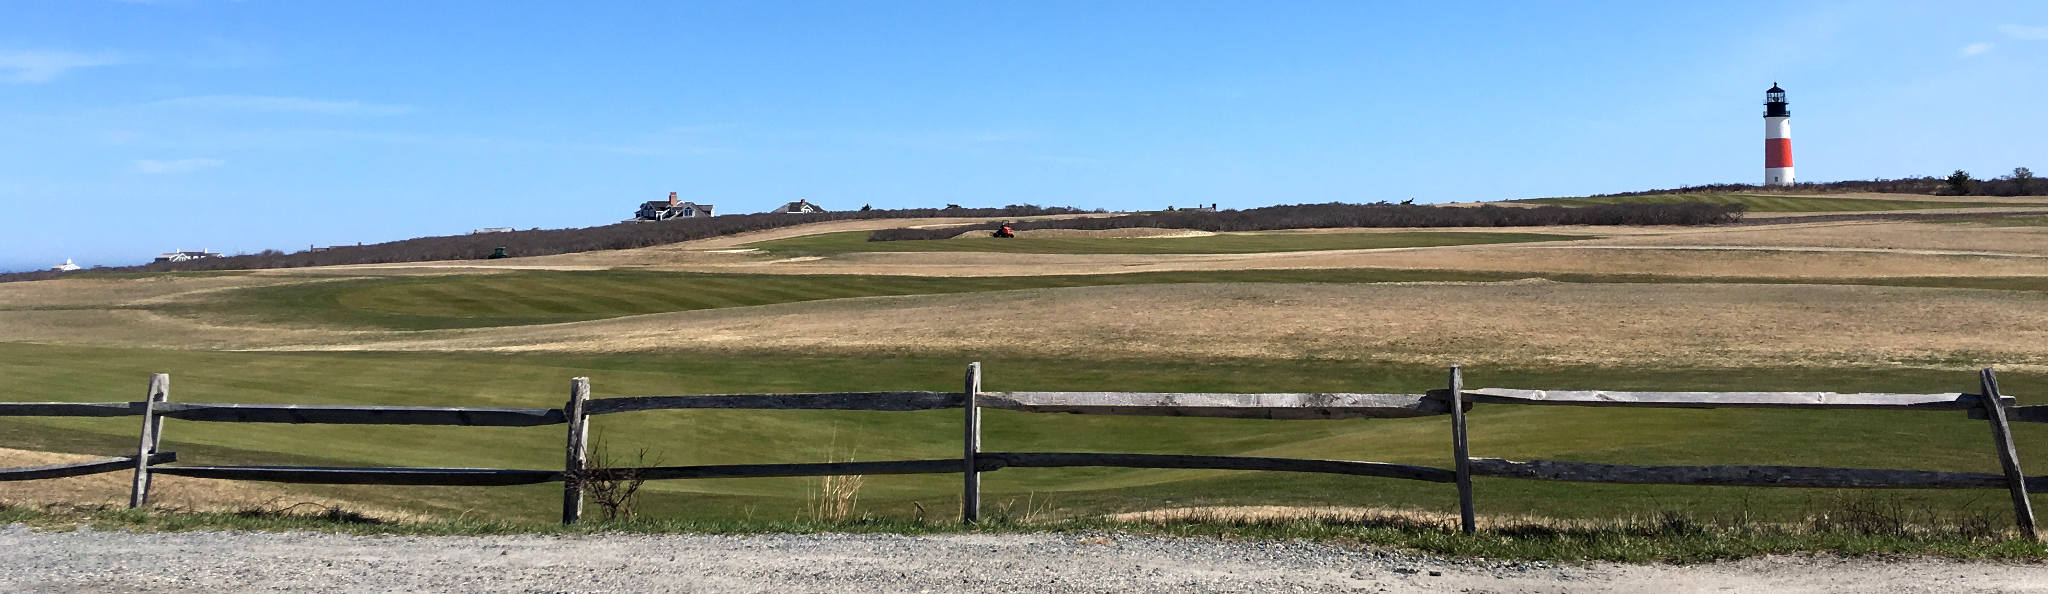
(67, 266)
(656, 210)
(491, 230)
(184, 256)
(801, 206)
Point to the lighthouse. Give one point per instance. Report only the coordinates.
(1777, 139)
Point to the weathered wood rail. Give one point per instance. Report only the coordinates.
(2000, 410)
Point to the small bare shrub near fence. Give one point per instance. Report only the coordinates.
(614, 484)
(838, 499)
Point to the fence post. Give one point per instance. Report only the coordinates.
(2008, 456)
(579, 433)
(152, 436)
(1459, 448)
(970, 494)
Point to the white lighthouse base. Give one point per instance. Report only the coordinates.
(1779, 177)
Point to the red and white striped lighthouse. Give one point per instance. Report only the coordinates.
(1777, 139)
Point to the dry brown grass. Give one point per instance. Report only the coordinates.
(1525, 323)
(166, 492)
(103, 292)
(1861, 235)
(136, 328)
(837, 498)
(1507, 258)
(1515, 323)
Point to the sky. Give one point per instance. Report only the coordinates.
(133, 128)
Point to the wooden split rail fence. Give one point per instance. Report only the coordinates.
(1453, 401)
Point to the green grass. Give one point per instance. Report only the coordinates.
(1768, 203)
(1229, 243)
(1874, 439)
(1670, 537)
(541, 297)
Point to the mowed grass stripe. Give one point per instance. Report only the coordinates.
(539, 297)
(1227, 243)
(1767, 203)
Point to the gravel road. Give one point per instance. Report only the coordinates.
(92, 561)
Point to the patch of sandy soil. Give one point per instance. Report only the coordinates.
(170, 492)
(1432, 323)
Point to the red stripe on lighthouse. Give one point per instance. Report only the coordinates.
(1777, 152)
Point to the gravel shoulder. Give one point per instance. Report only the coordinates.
(95, 561)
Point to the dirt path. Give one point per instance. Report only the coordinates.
(90, 561)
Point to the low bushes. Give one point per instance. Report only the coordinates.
(541, 242)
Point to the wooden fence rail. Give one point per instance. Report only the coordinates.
(1988, 404)
(71, 469)
(368, 476)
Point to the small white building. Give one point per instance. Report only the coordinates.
(67, 266)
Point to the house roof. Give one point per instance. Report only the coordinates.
(664, 205)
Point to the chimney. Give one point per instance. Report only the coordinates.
(671, 198)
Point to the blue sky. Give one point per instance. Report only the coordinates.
(132, 128)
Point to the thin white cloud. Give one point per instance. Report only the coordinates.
(287, 104)
(35, 66)
(1975, 49)
(2023, 31)
(155, 167)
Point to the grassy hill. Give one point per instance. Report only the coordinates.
(547, 297)
(1769, 203)
(396, 309)
(1234, 243)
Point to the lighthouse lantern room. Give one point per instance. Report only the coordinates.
(1777, 139)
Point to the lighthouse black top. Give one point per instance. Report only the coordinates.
(1774, 103)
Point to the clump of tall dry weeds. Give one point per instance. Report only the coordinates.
(837, 498)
